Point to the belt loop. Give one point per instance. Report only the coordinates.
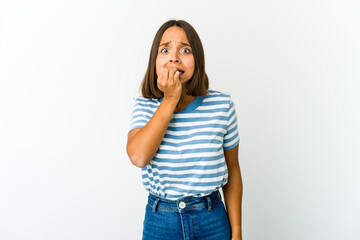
(155, 204)
(219, 194)
(209, 203)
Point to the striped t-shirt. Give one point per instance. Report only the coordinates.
(190, 160)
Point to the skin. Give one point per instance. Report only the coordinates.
(233, 192)
(175, 53)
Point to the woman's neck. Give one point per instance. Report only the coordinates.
(184, 101)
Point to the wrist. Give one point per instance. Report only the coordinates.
(236, 234)
(171, 100)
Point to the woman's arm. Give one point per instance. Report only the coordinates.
(143, 142)
(233, 192)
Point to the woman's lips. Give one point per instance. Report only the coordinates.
(181, 71)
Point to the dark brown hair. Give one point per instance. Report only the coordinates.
(199, 82)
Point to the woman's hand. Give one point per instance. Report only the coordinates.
(143, 143)
(169, 83)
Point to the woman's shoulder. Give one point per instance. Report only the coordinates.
(146, 103)
(218, 94)
(141, 99)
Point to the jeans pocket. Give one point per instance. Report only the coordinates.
(214, 224)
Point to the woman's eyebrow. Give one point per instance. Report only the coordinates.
(167, 43)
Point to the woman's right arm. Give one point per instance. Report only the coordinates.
(143, 143)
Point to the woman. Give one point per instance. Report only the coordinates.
(185, 138)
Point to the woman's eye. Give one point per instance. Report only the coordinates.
(186, 50)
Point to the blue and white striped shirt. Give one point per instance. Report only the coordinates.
(190, 160)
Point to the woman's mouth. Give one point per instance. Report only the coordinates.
(181, 72)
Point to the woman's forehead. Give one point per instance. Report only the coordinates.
(174, 35)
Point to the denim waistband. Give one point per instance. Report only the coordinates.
(185, 203)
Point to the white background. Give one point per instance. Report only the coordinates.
(69, 71)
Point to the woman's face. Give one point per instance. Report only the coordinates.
(175, 52)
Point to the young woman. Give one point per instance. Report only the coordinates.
(185, 138)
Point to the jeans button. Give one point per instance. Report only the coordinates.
(182, 205)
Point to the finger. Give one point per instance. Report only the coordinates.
(165, 75)
(177, 76)
(171, 76)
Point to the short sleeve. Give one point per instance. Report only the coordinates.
(231, 137)
(137, 117)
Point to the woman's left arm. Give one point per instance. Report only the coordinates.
(233, 192)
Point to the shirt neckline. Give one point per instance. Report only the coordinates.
(191, 106)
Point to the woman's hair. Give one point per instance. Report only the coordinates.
(199, 82)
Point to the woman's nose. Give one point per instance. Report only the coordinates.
(174, 58)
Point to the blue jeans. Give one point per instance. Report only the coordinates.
(189, 218)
